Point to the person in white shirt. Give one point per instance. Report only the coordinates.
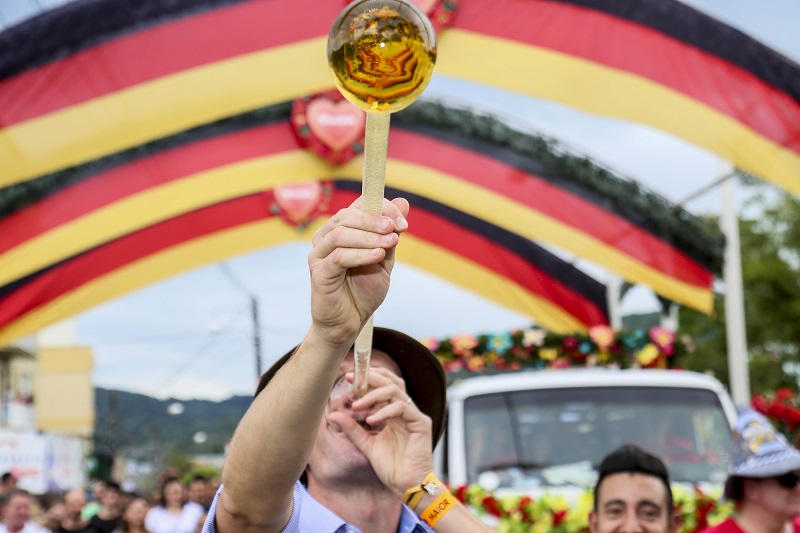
(174, 515)
(17, 514)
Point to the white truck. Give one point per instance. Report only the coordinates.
(546, 431)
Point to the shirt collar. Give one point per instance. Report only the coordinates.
(320, 516)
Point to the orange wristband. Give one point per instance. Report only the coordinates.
(438, 508)
(413, 495)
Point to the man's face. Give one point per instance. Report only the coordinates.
(17, 512)
(197, 491)
(111, 499)
(773, 498)
(333, 453)
(632, 502)
(98, 489)
(74, 501)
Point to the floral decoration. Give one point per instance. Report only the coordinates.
(783, 410)
(696, 509)
(535, 348)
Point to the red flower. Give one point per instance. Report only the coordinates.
(492, 506)
(559, 516)
(570, 344)
(461, 494)
(784, 395)
(523, 502)
(792, 417)
(522, 505)
(759, 404)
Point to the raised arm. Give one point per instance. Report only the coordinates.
(350, 265)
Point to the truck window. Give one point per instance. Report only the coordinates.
(558, 436)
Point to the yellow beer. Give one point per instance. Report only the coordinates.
(381, 54)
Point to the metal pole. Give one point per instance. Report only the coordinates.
(4, 386)
(254, 314)
(613, 289)
(256, 335)
(734, 297)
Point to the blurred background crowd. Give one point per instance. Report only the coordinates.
(179, 505)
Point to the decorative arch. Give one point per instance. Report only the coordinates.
(152, 70)
(125, 125)
(73, 239)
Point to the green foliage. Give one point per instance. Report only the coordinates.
(194, 470)
(770, 251)
(177, 461)
(140, 425)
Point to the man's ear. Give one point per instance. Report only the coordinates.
(593, 522)
(675, 523)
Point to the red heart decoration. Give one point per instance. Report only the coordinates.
(426, 6)
(336, 124)
(298, 201)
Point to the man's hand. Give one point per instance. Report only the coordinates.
(400, 453)
(350, 265)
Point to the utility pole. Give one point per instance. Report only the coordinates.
(735, 332)
(734, 295)
(256, 334)
(253, 314)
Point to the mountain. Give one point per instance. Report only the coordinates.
(137, 424)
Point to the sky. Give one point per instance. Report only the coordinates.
(191, 336)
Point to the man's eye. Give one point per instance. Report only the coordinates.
(614, 511)
(651, 514)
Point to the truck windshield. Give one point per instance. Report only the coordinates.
(558, 436)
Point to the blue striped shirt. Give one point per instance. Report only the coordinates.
(310, 516)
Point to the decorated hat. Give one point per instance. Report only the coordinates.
(759, 451)
(420, 369)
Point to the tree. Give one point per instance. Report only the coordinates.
(770, 241)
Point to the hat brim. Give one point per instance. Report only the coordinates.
(421, 370)
(771, 466)
(789, 462)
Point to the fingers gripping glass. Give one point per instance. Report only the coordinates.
(341, 400)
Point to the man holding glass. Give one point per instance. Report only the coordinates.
(374, 476)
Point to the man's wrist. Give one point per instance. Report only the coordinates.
(429, 485)
(432, 507)
(319, 338)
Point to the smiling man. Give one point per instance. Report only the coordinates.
(632, 494)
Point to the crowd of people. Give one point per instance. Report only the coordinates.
(105, 508)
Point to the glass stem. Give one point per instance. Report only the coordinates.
(376, 146)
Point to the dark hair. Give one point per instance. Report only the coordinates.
(123, 524)
(16, 492)
(7, 476)
(164, 484)
(734, 488)
(112, 485)
(631, 459)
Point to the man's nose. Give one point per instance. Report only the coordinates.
(631, 524)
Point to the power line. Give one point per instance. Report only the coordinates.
(706, 188)
(191, 360)
(253, 313)
(233, 279)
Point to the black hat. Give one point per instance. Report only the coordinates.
(420, 369)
